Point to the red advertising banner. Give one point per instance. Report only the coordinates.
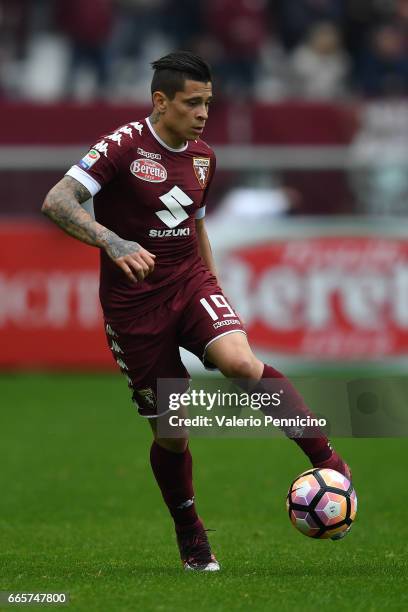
(323, 298)
(49, 307)
(296, 122)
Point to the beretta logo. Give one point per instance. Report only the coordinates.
(148, 170)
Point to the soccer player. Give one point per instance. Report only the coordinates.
(158, 283)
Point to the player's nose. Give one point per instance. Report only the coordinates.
(202, 113)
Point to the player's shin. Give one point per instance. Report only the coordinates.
(173, 473)
(311, 440)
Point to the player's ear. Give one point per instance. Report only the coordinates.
(160, 101)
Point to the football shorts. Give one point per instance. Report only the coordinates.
(147, 347)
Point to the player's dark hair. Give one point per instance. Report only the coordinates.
(172, 70)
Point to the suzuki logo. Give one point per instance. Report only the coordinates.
(175, 200)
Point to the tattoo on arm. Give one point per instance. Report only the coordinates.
(117, 247)
(81, 193)
(63, 206)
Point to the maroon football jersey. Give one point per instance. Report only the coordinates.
(147, 192)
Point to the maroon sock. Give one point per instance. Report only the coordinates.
(316, 445)
(173, 473)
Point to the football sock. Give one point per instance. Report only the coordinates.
(317, 447)
(174, 475)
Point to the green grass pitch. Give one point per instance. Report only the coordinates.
(80, 512)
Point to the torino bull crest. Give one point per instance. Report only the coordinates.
(201, 167)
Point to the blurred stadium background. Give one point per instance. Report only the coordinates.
(310, 127)
(307, 216)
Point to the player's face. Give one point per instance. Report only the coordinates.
(186, 114)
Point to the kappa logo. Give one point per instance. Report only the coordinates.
(103, 147)
(201, 167)
(116, 348)
(125, 129)
(148, 154)
(90, 158)
(186, 504)
(129, 381)
(116, 136)
(111, 332)
(148, 170)
(121, 364)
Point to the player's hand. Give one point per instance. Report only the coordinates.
(131, 258)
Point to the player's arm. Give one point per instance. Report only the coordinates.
(63, 205)
(204, 246)
(204, 249)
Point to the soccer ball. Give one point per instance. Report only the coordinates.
(322, 504)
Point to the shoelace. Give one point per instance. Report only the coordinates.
(196, 547)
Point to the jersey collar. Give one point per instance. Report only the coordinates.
(163, 144)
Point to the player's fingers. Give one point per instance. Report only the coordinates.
(146, 255)
(140, 269)
(138, 261)
(127, 270)
(147, 258)
(145, 267)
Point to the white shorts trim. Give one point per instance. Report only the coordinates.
(231, 331)
(154, 416)
(85, 179)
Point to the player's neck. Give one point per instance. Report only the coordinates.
(170, 139)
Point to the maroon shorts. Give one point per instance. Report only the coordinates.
(146, 347)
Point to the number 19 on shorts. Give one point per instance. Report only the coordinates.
(219, 301)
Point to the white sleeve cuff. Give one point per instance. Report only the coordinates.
(200, 213)
(85, 179)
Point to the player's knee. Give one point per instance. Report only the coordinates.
(174, 445)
